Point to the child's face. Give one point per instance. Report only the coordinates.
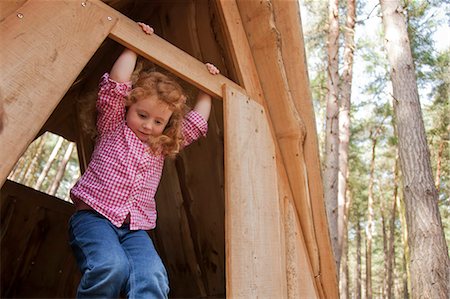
(148, 117)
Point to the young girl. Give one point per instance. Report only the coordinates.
(138, 127)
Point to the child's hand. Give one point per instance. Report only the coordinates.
(146, 28)
(212, 69)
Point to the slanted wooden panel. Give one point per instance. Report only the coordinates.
(49, 46)
(36, 259)
(300, 278)
(254, 259)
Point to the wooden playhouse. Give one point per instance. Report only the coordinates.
(241, 212)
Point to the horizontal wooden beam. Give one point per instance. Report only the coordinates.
(164, 54)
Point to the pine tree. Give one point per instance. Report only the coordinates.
(429, 254)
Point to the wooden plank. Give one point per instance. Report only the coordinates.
(34, 224)
(288, 14)
(261, 25)
(161, 52)
(174, 239)
(254, 259)
(8, 7)
(299, 273)
(288, 126)
(46, 51)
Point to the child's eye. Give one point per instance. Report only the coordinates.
(142, 115)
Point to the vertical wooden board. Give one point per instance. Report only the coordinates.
(301, 281)
(36, 259)
(252, 209)
(174, 239)
(48, 44)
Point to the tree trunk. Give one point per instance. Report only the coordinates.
(391, 249)
(370, 218)
(62, 167)
(29, 155)
(358, 279)
(332, 126)
(406, 276)
(438, 165)
(344, 123)
(344, 271)
(18, 168)
(430, 262)
(29, 175)
(47, 166)
(385, 247)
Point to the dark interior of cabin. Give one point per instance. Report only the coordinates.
(36, 260)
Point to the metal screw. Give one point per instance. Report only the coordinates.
(20, 15)
(109, 19)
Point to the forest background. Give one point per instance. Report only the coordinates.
(374, 255)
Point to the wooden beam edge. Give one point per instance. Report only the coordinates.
(166, 55)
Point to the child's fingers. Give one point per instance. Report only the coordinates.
(212, 69)
(146, 28)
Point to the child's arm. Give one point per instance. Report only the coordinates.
(125, 64)
(203, 105)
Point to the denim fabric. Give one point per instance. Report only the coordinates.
(115, 261)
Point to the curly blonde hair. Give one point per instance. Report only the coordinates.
(167, 90)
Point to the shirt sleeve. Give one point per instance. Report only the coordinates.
(194, 126)
(111, 103)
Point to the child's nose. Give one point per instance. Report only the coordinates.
(147, 126)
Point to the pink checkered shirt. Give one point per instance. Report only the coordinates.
(122, 176)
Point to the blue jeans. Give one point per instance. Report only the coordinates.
(115, 261)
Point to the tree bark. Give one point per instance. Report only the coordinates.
(344, 271)
(60, 173)
(438, 165)
(370, 216)
(429, 262)
(37, 156)
(47, 166)
(344, 123)
(406, 281)
(385, 247)
(332, 129)
(391, 249)
(358, 279)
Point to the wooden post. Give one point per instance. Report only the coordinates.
(254, 259)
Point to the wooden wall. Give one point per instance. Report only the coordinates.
(286, 229)
(36, 259)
